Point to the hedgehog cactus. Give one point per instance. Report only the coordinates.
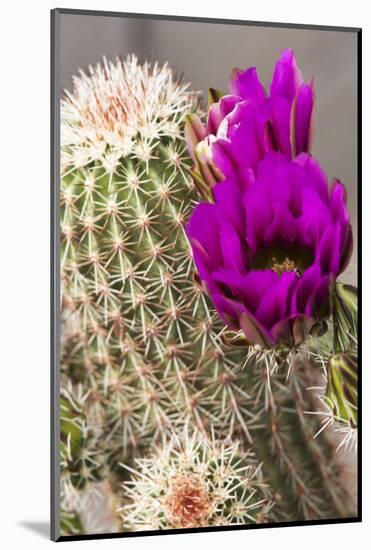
(143, 351)
(193, 481)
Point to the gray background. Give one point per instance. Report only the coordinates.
(205, 53)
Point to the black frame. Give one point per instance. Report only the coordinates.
(55, 271)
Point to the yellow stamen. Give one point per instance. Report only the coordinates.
(286, 266)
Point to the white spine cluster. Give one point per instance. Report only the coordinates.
(193, 481)
(119, 108)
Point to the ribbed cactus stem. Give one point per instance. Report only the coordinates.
(302, 471)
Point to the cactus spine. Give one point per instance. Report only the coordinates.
(194, 481)
(143, 352)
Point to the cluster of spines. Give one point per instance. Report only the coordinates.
(195, 481)
(134, 312)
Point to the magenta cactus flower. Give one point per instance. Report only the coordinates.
(244, 125)
(268, 251)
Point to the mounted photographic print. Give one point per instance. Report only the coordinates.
(205, 217)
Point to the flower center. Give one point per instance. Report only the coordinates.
(286, 265)
(283, 258)
(187, 502)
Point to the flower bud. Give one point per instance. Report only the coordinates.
(342, 382)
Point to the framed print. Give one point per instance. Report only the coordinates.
(206, 183)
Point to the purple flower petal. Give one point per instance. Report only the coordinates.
(347, 250)
(234, 256)
(247, 85)
(228, 194)
(286, 77)
(338, 200)
(203, 228)
(259, 214)
(282, 226)
(240, 137)
(336, 250)
(230, 310)
(314, 220)
(280, 114)
(325, 248)
(254, 331)
(313, 176)
(248, 288)
(321, 298)
(194, 132)
(301, 298)
(302, 115)
(223, 157)
(275, 302)
(227, 104)
(214, 118)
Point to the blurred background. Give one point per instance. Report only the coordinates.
(205, 53)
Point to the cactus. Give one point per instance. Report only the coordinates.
(143, 352)
(192, 482)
